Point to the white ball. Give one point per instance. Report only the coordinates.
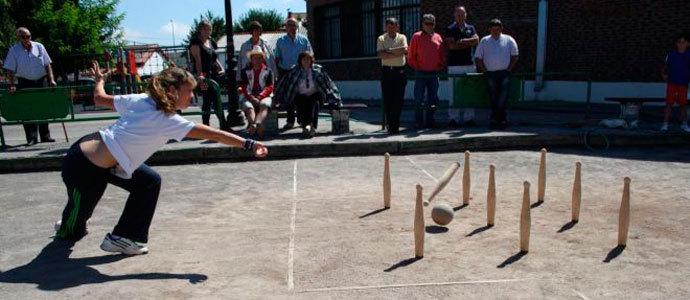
(442, 213)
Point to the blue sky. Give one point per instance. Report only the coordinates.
(149, 21)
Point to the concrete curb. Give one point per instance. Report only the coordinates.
(335, 149)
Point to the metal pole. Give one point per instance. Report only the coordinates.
(234, 115)
(589, 96)
(172, 23)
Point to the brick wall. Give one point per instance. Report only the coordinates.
(615, 40)
(624, 40)
(519, 19)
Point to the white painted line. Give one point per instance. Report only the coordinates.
(581, 295)
(352, 288)
(422, 169)
(291, 246)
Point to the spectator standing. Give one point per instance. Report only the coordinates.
(29, 62)
(426, 55)
(496, 56)
(460, 38)
(392, 49)
(205, 64)
(677, 76)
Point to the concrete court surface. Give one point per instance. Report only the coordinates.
(314, 229)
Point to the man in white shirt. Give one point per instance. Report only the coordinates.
(30, 63)
(496, 56)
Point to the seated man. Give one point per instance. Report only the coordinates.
(256, 89)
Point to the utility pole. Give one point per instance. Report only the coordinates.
(172, 23)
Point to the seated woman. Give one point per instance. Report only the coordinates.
(307, 86)
(256, 88)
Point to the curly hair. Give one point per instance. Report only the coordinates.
(158, 87)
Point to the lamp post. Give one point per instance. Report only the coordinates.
(172, 23)
(234, 115)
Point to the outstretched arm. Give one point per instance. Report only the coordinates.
(204, 132)
(100, 97)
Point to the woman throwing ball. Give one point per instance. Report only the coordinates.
(116, 155)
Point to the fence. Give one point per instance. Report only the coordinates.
(470, 91)
(55, 105)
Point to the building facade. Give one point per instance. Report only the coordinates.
(615, 41)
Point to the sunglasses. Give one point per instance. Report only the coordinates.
(26, 37)
(429, 23)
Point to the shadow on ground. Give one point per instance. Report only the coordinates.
(615, 252)
(403, 263)
(54, 270)
(433, 229)
(512, 259)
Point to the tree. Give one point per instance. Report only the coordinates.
(8, 28)
(217, 27)
(270, 19)
(67, 27)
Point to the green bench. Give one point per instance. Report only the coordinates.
(471, 91)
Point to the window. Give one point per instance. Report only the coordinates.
(331, 32)
(407, 13)
(368, 28)
(350, 28)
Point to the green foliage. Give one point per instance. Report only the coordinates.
(8, 29)
(270, 19)
(63, 26)
(217, 26)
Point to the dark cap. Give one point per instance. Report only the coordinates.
(495, 22)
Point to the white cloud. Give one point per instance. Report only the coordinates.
(132, 34)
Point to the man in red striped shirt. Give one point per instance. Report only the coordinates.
(426, 55)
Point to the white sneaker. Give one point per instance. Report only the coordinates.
(113, 243)
(307, 131)
(664, 127)
(685, 128)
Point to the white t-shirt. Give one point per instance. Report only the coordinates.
(140, 131)
(496, 53)
(29, 64)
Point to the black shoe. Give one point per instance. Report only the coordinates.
(502, 125)
(393, 131)
(453, 124)
(432, 125)
(32, 142)
(47, 140)
(470, 123)
(287, 127)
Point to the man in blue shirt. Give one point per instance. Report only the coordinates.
(677, 75)
(288, 47)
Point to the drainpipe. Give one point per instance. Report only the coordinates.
(541, 43)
